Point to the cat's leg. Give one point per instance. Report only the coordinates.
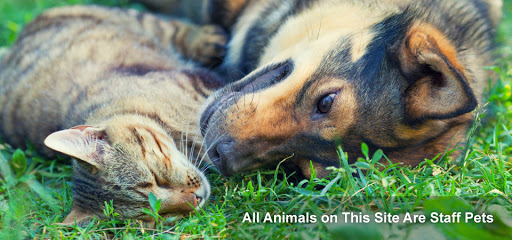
(205, 44)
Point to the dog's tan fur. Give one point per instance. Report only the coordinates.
(405, 76)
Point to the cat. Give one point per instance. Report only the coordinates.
(112, 89)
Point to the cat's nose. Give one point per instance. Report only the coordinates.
(197, 200)
(200, 196)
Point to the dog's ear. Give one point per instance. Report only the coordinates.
(438, 83)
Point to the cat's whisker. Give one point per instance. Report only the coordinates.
(181, 142)
(223, 115)
(208, 149)
(203, 143)
(207, 167)
(205, 164)
(190, 156)
(186, 141)
(216, 120)
(213, 167)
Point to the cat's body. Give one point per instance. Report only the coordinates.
(118, 75)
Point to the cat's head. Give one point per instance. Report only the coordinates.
(124, 160)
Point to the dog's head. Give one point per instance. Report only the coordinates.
(398, 85)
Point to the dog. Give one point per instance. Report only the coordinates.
(307, 76)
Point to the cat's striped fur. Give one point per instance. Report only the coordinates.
(116, 81)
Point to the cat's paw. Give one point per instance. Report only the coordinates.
(208, 45)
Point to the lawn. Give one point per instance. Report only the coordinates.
(36, 192)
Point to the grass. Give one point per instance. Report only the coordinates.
(36, 193)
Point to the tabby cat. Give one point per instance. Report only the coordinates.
(113, 90)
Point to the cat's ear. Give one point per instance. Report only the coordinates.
(439, 85)
(85, 143)
(78, 216)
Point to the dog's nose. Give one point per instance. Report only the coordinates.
(222, 154)
(225, 149)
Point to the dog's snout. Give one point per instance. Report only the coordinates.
(225, 148)
(221, 154)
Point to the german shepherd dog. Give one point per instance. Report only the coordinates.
(400, 75)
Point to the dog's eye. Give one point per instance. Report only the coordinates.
(325, 103)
